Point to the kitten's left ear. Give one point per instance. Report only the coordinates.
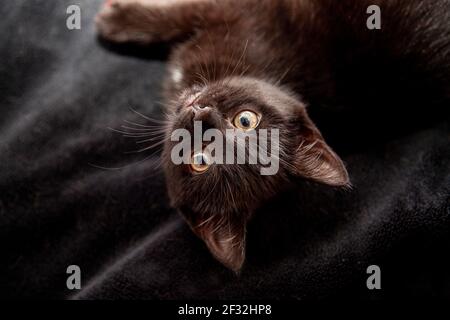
(224, 236)
(314, 159)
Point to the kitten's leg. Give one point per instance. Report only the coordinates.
(147, 21)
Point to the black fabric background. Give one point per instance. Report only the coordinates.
(61, 89)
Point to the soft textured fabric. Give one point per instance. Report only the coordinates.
(60, 90)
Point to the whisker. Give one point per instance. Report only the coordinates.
(201, 64)
(141, 125)
(138, 130)
(241, 58)
(106, 168)
(147, 117)
(151, 139)
(214, 55)
(134, 134)
(285, 74)
(127, 165)
(149, 147)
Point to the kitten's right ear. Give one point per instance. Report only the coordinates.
(314, 159)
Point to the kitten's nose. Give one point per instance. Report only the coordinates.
(198, 107)
(206, 115)
(200, 112)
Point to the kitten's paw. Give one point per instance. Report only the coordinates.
(121, 21)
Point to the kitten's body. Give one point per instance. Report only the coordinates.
(309, 46)
(276, 51)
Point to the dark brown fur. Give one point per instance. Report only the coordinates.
(276, 56)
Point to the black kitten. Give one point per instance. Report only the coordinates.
(256, 64)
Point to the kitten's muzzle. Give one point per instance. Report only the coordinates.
(200, 112)
(207, 115)
(199, 108)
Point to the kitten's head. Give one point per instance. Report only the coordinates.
(217, 200)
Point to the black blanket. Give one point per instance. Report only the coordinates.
(71, 194)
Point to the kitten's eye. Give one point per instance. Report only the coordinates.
(246, 120)
(200, 162)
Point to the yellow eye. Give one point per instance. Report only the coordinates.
(200, 162)
(246, 120)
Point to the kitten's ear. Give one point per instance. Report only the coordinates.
(315, 160)
(224, 237)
